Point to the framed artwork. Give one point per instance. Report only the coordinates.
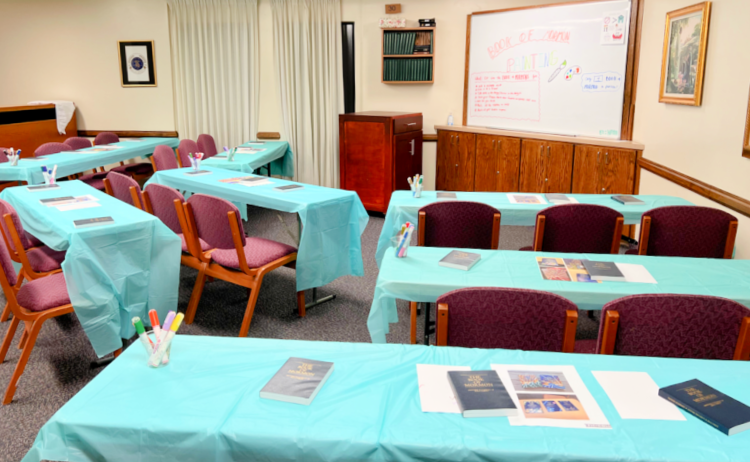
(137, 68)
(684, 57)
(746, 139)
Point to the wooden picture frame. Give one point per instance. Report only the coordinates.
(137, 65)
(746, 139)
(683, 60)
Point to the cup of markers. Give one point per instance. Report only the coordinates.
(230, 153)
(416, 185)
(195, 160)
(159, 348)
(49, 175)
(12, 156)
(403, 239)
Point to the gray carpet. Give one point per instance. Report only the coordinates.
(59, 364)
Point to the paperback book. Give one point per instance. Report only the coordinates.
(603, 271)
(90, 222)
(526, 199)
(481, 394)
(460, 260)
(446, 195)
(298, 381)
(627, 200)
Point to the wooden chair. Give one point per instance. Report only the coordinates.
(234, 258)
(515, 319)
(186, 147)
(687, 231)
(458, 224)
(123, 187)
(578, 228)
(675, 326)
(164, 158)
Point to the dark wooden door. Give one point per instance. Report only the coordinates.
(367, 161)
(447, 158)
(408, 158)
(508, 164)
(617, 171)
(497, 163)
(586, 170)
(558, 167)
(531, 174)
(465, 149)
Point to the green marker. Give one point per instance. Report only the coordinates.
(557, 71)
(145, 341)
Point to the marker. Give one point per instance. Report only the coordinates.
(167, 323)
(161, 350)
(226, 149)
(54, 174)
(145, 341)
(153, 316)
(410, 182)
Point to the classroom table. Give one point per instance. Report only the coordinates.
(73, 162)
(113, 272)
(276, 153)
(419, 278)
(403, 207)
(332, 220)
(205, 405)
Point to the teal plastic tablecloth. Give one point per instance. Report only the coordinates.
(332, 219)
(113, 272)
(70, 163)
(277, 153)
(205, 406)
(403, 207)
(419, 278)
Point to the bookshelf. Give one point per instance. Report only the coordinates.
(399, 63)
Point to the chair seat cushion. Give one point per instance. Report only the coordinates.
(34, 241)
(142, 168)
(632, 251)
(44, 293)
(527, 248)
(258, 252)
(44, 259)
(204, 244)
(585, 346)
(95, 180)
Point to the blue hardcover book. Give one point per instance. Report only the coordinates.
(298, 381)
(481, 394)
(722, 412)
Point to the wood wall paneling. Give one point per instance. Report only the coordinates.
(130, 133)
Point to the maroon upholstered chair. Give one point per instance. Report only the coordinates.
(183, 149)
(675, 326)
(77, 142)
(50, 148)
(515, 319)
(159, 200)
(207, 145)
(125, 188)
(687, 231)
(3, 157)
(35, 302)
(164, 158)
(236, 258)
(106, 138)
(577, 228)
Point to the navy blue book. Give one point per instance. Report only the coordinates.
(722, 412)
(481, 394)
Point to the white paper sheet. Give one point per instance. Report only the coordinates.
(550, 396)
(635, 395)
(255, 183)
(519, 198)
(77, 206)
(635, 273)
(435, 392)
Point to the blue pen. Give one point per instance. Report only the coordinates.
(18, 153)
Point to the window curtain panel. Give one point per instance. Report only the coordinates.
(215, 67)
(307, 49)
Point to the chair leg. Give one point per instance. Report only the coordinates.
(11, 390)
(301, 303)
(195, 297)
(6, 313)
(8, 338)
(6, 310)
(413, 330)
(250, 308)
(24, 337)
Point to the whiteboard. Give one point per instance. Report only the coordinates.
(556, 69)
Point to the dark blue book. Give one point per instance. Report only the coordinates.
(722, 412)
(481, 394)
(298, 381)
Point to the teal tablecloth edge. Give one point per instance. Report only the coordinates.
(278, 154)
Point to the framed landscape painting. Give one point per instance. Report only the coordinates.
(684, 57)
(137, 64)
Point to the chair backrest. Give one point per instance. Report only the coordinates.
(675, 326)
(50, 148)
(6, 208)
(9, 271)
(207, 145)
(579, 228)
(521, 319)
(462, 224)
(186, 147)
(162, 203)
(77, 142)
(3, 157)
(164, 158)
(121, 188)
(211, 220)
(687, 231)
(106, 138)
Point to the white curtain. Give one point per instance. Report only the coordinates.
(216, 70)
(307, 48)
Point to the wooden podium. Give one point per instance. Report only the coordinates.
(378, 151)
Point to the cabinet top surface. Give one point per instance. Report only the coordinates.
(383, 114)
(545, 136)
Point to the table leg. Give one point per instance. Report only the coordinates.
(426, 323)
(315, 301)
(109, 358)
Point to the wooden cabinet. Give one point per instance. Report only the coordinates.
(603, 170)
(545, 166)
(497, 162)
(377, 152)
(455, 165)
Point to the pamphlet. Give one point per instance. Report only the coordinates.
(237, 179)
(526, 199)
(550, 396)
(106, 148)
(248, 150)
(435, 392)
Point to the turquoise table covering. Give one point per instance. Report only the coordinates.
(419, 278)
(70, 163)
(113, 272)
(332, 219)
(277, 153)
(403, 207)
(205, 406)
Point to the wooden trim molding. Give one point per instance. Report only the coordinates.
(430, 137)
(129, 133)
(727, 199)
(269, 135)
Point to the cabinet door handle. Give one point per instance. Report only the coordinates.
(606, 158)
(493, 144)
(548, 151)
(603, 189)
(412, 146)
(497, 173)
(456, 165)
(413, 123)
(598, 154)
(451, 140)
